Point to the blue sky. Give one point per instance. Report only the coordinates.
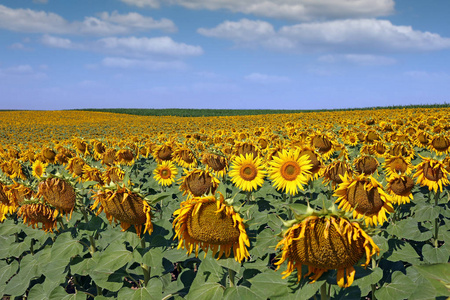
(240, 54)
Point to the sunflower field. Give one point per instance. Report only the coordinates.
(313, 205)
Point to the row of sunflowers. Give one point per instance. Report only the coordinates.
(254, 194)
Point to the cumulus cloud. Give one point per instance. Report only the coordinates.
(264, 78)
(304, 10)
(356, 36)
(27, 20)
(358, 59)
(128, 46)
(151, 65)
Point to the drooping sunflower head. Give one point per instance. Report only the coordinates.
(209, 223)
(109, 157)
(422, 139)
(379, 148)
(323, 143)
(217, 162)
(399, 187)
(165, 173)
(365, 197)
(366, 164)
(289, 171)
(75, 166)
(397, 165)
(48, 154)
(432, 173)
(314, 158)
(324, 243)
(81, 146)
(125, 157)
(99, 149)
(440, 144)
(33, 214)
(335, 171)
(92, 174)
(185, 157)
(59, 193)
(198, 182)
(240, 148)
(113, 174)
(38, 168)
(125, 205)
(17, 193)
(401, 149)
(247, 172)
(163, 152)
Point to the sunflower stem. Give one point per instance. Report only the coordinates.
(323, 291)
(436, 220)
(231, 275)
(145, 268)
(290, 213)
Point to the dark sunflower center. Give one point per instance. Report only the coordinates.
(399, 165)
(333, 252)
(401, 186)
(186, 156)
(165, 153)
(199, 184)
(130, 211)
(366, 202)
(290, 170)
(367, 165)
(213, 228)
(322, 143)
(433, 174)
(338, 169)
(58, 193)
(248, 172)
(440, 143)
(216, 162)
(165, 173)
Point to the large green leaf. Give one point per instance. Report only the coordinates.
(423, 289)
(6, 272)
(208, 290)
(438, 275)
(398, 289)
(241, 293)
(66, 247)
(29, 268)
(269, 284)
(402, 251)
(432, 255)
(409, 229)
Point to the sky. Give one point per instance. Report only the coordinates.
(229, 54)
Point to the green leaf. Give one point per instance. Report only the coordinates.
(209, 290)
(425, 212)
(409, 229)
(438, 275)
(402, 251)
(6, 272)
(241, 293)
(65, 247)
(423, 290)
(434, 255)
(29, 268)
(230, 263)
(365, 282)
(113, 258)
(398, 289)
(154, 258)
(269, 284)
(265, 243)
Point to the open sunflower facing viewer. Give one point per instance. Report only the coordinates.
(247, 172)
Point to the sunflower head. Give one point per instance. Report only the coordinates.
(440, 144)
(198, 182)
(125, 205)
(165, 173)
(38, 168)
(365, 197)
(59, 193)
(247, 172)
(432, 173)
(33, 214)
(323, 243)
(399, 187)
(163, 152)
(289, 171)
(210, 223)
(397, 165)
(335, 171)
(48, 154)
(109, 157)
(75, 166)
(185, 157)
(366, 164)
(125, 157)
(217, 162)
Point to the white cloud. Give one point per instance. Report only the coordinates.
(147, 46)
(264, 78)
(18, 46)
(27, 20)
(304, 10)
(151, 65)
(358, 59)
(142, 3)
(57, 42)
(356, 36)
(21, 71)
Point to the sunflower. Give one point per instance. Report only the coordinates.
(36, 213)
(209, 223)
(120, 203)
(48, 154)
(365, 197)
(125, 157)
(440, 144)
(81, 146)
(99, 149)
(325, 243)
(113, 174)
(165, 173)
(289, 171)
(16, 170)
(401, 149)
(399, 187)
(59, 193)
(198, 182)
(6, 205)
(333, 172)
(323, 143)
(422, 139)
(163, 152)
(75, 166)
(366, 164)
(432, 173)
(17, 193)
(397, 165)
(38, 168)
(247, 172)
(109, 157)
(218, 163)
(314, 158)
(184, 157)
(92, 174)
(246, 147)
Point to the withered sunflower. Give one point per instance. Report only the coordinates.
(218, 163)
(365, 197)
(38, 168)
(315, 159)
(333, 172)
(399, 187)
(366, 164)
(33, 214)
(185, 158)
(113, 174)
(163, 152)
(397, 165)
(432, 173)
(125, 157)
(17, 193)
(75, 166)
(247, 172)
(124, 205)
(198, 182)
(59, 193)
(165, 173)
(289, 171)
(210, 223)
(440, 144)
(325, 243)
